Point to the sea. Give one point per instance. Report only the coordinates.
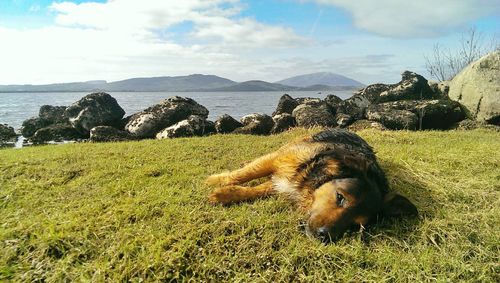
(17, 107)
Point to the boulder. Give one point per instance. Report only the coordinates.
(477, 87)
(343, 120)
(56, 132)
(314, 114)
(372, 92)
(411, 86)
(394, 119)
(354, 106)
(282, 122)
(32, 125)
(255, 124)
(150, 121)
(440, 89)
(365, 124)
(193, 126)
(332, 100)
(109, 134)
(7, 133)
(209, 128)
(226, 124)
(307, 100)
(286, 104)
(432, 114)
(53, 114)
(469, 124)
(95, 109)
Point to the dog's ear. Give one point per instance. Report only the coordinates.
(396, 205)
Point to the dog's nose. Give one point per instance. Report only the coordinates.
(323, 233)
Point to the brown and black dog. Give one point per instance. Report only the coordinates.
(333, 176)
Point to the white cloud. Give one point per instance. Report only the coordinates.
(417, 18)
(126, 38)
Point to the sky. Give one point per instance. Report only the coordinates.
(47, 41)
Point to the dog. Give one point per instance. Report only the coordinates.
(332, 176)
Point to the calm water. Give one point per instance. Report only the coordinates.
(17, 107)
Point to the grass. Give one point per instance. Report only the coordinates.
(138, 211)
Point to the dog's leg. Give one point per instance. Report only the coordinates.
(233, 194)
(260, 167)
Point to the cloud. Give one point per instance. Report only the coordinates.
(124, 38)
(421, 18)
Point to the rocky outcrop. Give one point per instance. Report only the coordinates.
(53, 114)
(343, 120)
(286, 104)
(6, 133)
(313, 113)
(469, 124)
(192, 126)
(354, 106)
(333, 101)
(394, 119)
(372, 92)
(256, 124)
(411, 86)
(477, 87)
(32, 125)
(365, 124)
(226, 124)
(109, 134)
(440, 89)
(282, 122)
(56, 132)
(431, 114)
(95, 109)
(149, 122)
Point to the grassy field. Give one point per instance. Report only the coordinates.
(138, 211)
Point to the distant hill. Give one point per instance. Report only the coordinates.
(254, 86)
(196, 82)
(323, 78)
(179, 83)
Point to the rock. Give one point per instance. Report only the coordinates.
(57, 132)
(209, 128)
(314, 114)
(365, 124)
(193, 126)
(286, 104)
(394, 119)
(372, 92)
(226, 124)
(354, 106)
(109, 134)
(477, 87)
(95, 109)
(440, 89)
(431, 114)
(343, 120)
(282, 122)
(53, 114)
(469, 124)
(411, 86)
(333, 101)
(255, 124)
(7, 133)
(150, 121)
(32, 125)
(122, 123)
(307, 100)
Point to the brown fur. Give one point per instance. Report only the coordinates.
(316, 173)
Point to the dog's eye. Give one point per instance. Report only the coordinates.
(340, 200)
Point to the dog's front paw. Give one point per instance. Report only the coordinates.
(221, 179)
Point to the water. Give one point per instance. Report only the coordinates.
(17, 107)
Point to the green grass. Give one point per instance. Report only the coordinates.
(138, 211)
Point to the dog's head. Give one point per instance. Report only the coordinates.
(344, 203)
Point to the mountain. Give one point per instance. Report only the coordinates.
(254, 86)
(323, 78)
(179, 83)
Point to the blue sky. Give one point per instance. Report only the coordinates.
(45, 41)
